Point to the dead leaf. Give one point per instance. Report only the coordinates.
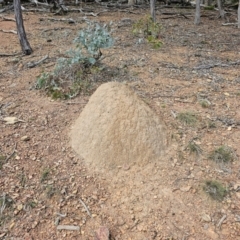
(12, 120)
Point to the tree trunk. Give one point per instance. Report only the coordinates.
(152, 10)
(197, 14)
(239, 14)
(221, 11)
(26, 48)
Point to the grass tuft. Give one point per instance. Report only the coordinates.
(204, 103)
(188, 118)
(223, 154)
(45, 174)
(194, 148)
(215, 190)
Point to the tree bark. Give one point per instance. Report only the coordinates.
(26, 48)
(221, 11)
(239, 14)
(152, 10)
(197, 14)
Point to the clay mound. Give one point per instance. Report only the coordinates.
(117, 128)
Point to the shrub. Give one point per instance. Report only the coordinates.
(71, 73)
(148, 29)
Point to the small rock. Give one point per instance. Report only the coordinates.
(102, 234)
(185, 189)
(25, 138)
(19, 207)
(206, 218)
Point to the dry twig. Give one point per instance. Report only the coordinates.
(34, 64)
(221, 221)
(84, 205)
(8, 31)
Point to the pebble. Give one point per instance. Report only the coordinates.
(25, 138)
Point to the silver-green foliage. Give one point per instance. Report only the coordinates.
(69, 75)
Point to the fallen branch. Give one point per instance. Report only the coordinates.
(36, 10)
(8, 19)
(88, 212)
(229, 24)
(86, 14)
(34, 64)
(216, 65)
(68, 227)
(69, 20)
(8, 54)
(8, 31)
(40, 3)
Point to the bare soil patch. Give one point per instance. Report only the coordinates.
(42, 180)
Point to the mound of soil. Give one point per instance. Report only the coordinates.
(117, 128)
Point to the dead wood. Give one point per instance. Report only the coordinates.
(36, 10)
(8, 19)
(221, 221)
(174, 15)
(34, 64)
(8, 31)
(208, 66)
(86, 13)
(26, 48)
(53, 29)
(69, 20)
(68, 227)
(6, 9)
(9, 54)
(229, 24)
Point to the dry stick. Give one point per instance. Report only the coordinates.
(35, 10)
(86, 14)
(8, 31)
(221, 221)
(69, 20)
(216, 65)
(229, 24)
(14, 151)
(8, 19)
(54, 29)
(68, 227)
(34, 64)
(85, 207)
(9, 55)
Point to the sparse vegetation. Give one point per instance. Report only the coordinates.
(223, 154)
(211, 124)
(72, 73)
(204, 103)
(45, 174)
(50, 191)
(215, 190)
(194, 148)
(188, 118)
(2, 161)
(30, 204)
(146, 28)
